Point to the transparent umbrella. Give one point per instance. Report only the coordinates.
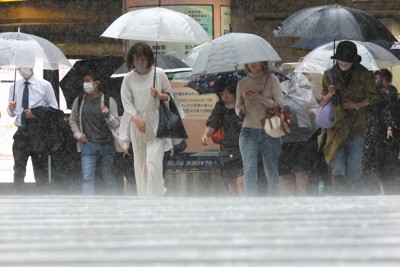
(231, 51)
(374, 57)
(157, 24)
(300, 100)
(17, 47)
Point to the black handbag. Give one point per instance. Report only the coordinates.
(170, 123)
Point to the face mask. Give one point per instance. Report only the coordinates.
(25, 72)
(141, 67)
(344, 66)
(88, 87)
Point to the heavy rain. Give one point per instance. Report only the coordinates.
(199, 133)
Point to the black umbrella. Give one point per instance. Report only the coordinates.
(333, 22)
(71, 84)
(168, 63)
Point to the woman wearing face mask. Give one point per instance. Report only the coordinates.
(94, 121)
(353, 90)
(141, 100)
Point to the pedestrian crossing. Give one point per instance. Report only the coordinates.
(129, 231)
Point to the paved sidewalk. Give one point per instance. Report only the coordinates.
(128, 231)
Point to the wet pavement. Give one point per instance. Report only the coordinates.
(128, 231)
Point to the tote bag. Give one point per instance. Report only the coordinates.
(170, 123)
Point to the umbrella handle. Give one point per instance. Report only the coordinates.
(15, 77)
(155, 64)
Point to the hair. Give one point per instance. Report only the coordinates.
(229, 83)
(264, 67)
(139, 50)
(377, 72)
(386, 75)
(93, 74)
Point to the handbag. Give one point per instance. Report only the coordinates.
(326, 116)
(218, 135)
(170, 123)
(276, 122)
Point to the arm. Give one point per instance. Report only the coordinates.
(260, 97)
(127, 98)
(207, 133)
(112, 114)
(239, 107)
(328, 90)
(166, 90)
(74, 121)
(51, 99)
(11, 102)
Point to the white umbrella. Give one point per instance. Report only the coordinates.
(157, 24)
(374, 57)
(231, 51)
(16, 48)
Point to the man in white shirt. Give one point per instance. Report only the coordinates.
(29, 92)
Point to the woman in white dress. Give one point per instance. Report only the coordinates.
(141, 101)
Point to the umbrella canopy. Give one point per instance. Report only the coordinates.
(72, 82)
(168, 63)
(205, 84)
(374, 57)
(157, 24)
(16, 49)
(299, 99)
(231, 51)
(333, 22)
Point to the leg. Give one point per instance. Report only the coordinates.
(286, 185)
(249, 148)
(20, 150)
(341, 183)
(154, 166)
(301, 183)
(107, 155)
(270, 151)
(40, 168)
(88, 162)
(240, 186)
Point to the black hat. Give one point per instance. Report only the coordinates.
(346, 51)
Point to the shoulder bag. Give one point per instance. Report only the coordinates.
(170, 123)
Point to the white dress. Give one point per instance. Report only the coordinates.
(147, 149)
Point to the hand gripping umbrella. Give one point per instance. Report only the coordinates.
(157, 24)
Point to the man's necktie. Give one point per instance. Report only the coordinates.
(25, 102)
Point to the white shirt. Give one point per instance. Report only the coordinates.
(41, 93)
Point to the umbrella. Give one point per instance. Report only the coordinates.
(231, 51)
(333, 22)
(374, 57)
(169, 63)
(16, 47)
(205, 84)
(157, 24)
(71, 84)
(299, 99)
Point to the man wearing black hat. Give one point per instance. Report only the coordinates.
(352, 88)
